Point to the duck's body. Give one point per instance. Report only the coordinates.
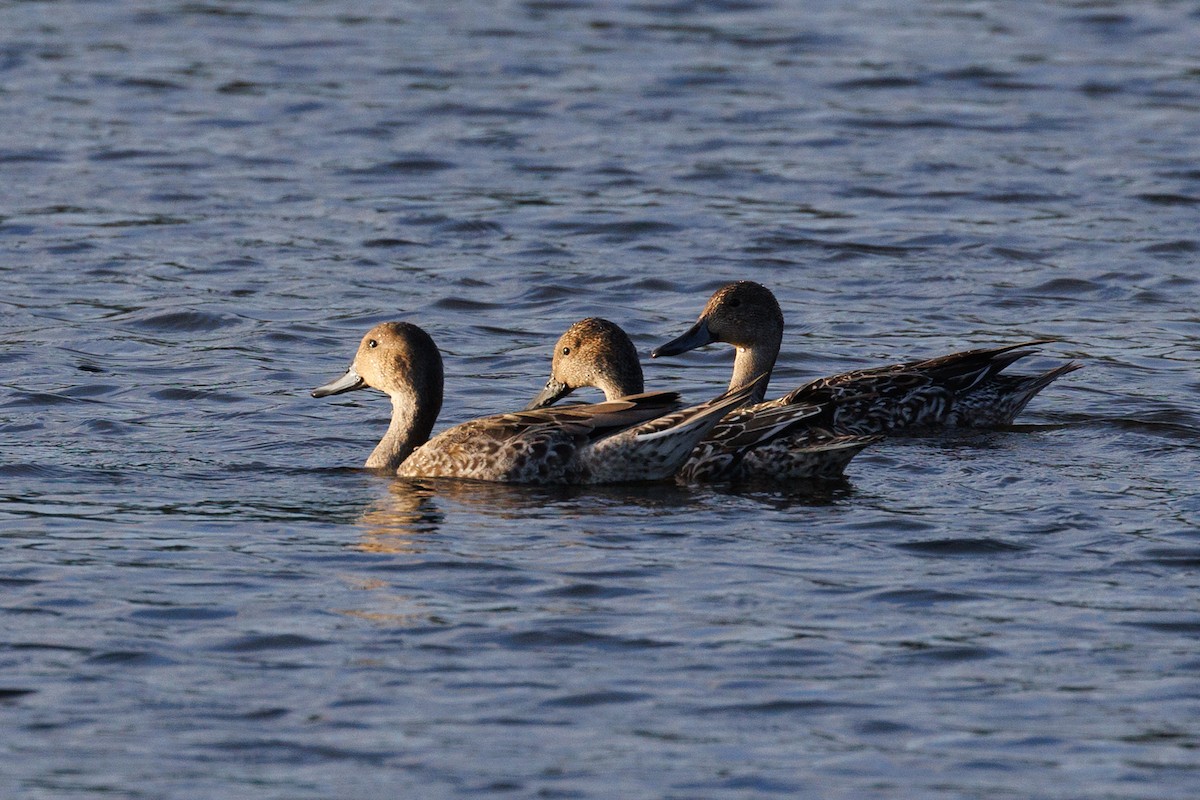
(744, 446)
(599, 443)
(644, 437)
(963, 389)
(809, 453)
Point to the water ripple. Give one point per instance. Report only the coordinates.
(967, 546)
(207, 205)
(184, 321)
(280, 641)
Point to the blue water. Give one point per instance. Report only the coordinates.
(205, 205)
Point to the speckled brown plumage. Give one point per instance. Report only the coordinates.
(642, 437)
(768, 441)
(960, 389)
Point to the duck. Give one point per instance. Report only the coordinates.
(744, 446)
(961, 389)
(643, 437)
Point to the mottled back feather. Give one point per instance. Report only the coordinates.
(958, 389)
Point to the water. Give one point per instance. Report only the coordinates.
(206, 204)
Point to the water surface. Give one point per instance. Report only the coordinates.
(207, 204)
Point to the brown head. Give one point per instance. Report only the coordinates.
(397, 358)
(401, 360)
(744, 314)
(593, 352)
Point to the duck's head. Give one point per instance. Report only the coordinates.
(744, 314)
(593, 352)
(394, 357)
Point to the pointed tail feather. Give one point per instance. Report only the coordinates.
(1027, 388)
(756, 426)
(1003, 398)
(964, 371)
(719, 455)
(825, 457)
(981, 355)
(657, 449)
(614, 415)
(704, 416)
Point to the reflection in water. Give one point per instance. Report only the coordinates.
(399, 519)
(410, 509)
(413, 510)
(971, 617)
(445, 548)
(509, 501)
(650, 501)
(399, 522)
(801, 493)
(403, 610)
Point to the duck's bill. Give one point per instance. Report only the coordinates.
(696, 336)
(347, 383)
(550, 394)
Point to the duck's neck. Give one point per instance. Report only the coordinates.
(750, 362)
(412, 422)
(621, 384)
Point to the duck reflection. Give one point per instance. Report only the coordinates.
(509, 502)
(420, 525)
(812, 493)
(411, 511)
(400, 519)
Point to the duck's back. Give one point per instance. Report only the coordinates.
(496, 449)
(539, 447)
(960, 389)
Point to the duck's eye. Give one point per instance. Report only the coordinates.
(566, 351)
(734, 303)
(372, 343)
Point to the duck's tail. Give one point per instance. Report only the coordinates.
(1021, 389)
(696, 421)
(821, 455)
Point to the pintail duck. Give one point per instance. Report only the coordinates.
(745, 445)
(643, 437)
(960, 389)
